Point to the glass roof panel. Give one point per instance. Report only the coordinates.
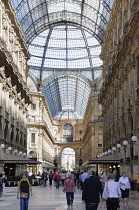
(65, 48)
(64, 37)
(34, 16)
(72, 92)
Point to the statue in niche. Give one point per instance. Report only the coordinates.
(4, 21)
(11, 35)
(100, 139)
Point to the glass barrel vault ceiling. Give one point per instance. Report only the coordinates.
(35, 15)
(64, 40)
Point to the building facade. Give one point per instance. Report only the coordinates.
(40, 137)
(14, 94)
(119, 94)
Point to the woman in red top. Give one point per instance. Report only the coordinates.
(70, 189)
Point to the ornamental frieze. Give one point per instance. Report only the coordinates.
(19, 96)
(11, 95)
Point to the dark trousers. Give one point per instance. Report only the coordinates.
(138, 187)
(50, 181)
(82, 189)
(70, 197)
(62, 180)
(112, 203)
(91, 206)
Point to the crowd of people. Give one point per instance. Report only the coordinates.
(94, 188)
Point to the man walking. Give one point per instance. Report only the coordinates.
(104, 179)
(91, 191)
(83, 178)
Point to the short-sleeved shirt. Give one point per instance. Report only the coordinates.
(69, 183)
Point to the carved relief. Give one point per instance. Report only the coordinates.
(11, 34)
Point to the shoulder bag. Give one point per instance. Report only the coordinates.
(105, 193)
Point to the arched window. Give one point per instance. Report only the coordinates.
(67, 133)
(33, 154)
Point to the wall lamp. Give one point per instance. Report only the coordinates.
(2, 146)
(106, 153)
(20, 153)
(114, 149)
(134, 138)
(119, 146)
(125, 143)
(109, 151)
(15, 151)
(9, 148)
(24, 154)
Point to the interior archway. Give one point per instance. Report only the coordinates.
(68, 159)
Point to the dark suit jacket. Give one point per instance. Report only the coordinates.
(92, 190)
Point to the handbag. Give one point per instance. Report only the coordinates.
(23, 195)
(105, 193)
(64, 189)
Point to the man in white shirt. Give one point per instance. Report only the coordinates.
(84, 176)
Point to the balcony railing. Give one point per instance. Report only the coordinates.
(96, 120)
(67, 140)
(34, 145)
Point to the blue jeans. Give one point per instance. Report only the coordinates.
(57, 183)
(24, 203)
(70, 197)
(91, 206)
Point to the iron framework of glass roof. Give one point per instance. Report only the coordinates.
(35, 15)
(66, 95)
(64, 40)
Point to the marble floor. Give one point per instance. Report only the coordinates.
(49, 198)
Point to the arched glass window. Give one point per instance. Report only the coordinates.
(67, 133)
(33, 154)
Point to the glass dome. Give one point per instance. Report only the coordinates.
(65, 48)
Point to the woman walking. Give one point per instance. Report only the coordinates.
(114, 193)
(125, 186)
(70, 190)
(24, 190)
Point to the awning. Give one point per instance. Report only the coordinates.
(96, 161)
(28, 162)
(100, 161)
(8, 158)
